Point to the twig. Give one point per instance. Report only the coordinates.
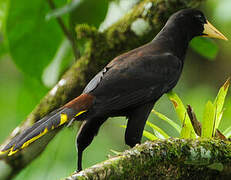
(66, 31)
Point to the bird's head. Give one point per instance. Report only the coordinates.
(195, 23)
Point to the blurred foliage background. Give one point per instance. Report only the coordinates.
(34, 54)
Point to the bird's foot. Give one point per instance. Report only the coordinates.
(78, 170)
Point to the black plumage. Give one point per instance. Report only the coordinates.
(130, 84)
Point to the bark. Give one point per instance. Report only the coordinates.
(166, 159)
(101, 47)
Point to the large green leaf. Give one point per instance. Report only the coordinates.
(187, 129)
(227, 132)
(156, 128)
(32, 40)
(3, 13)
(185, 133)
(169, 121)
(3, 17)
(58, 64)
(205, 47)
(219, 102)
(208, 121)
(31, 92)
(97, 12)
(149, 135)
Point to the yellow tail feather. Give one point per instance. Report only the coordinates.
(81, 112)
(12, 152)
(63, 119)
(4, 152)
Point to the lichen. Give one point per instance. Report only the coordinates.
(140, 27)
(147, 8)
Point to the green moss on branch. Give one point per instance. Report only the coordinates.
(166, 159)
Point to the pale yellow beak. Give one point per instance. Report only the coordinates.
(211, 31)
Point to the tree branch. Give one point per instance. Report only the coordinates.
(100, 49)
(166, 159)
(66, 31)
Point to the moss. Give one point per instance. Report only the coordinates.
(216, 166)
(166, 159)
(85, 31)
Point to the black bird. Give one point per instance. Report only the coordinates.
(128, 86)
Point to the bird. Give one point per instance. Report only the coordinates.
(128, 86)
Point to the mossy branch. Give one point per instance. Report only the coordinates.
(166, 159)
(100, 49)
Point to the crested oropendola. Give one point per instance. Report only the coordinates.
(128, 86)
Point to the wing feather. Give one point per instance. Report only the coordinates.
(136, 81)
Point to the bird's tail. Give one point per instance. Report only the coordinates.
(75, 109)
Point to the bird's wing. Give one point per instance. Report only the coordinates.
(134, 81)
(95, 81)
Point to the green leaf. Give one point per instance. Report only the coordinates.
(30, 94)
(219, 102)
(149, 135)
(97, 9)
(187, 129)
(208, 121)
(116, 152)
(3, 17)
(184, 131)
(32, 40)
(227, 132)
(53, 71)
(205, 47)
(3, 13)
(156, 128)
(169, 121)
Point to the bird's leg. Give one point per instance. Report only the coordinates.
(79, 165)
(86, 133)
(136, 122)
